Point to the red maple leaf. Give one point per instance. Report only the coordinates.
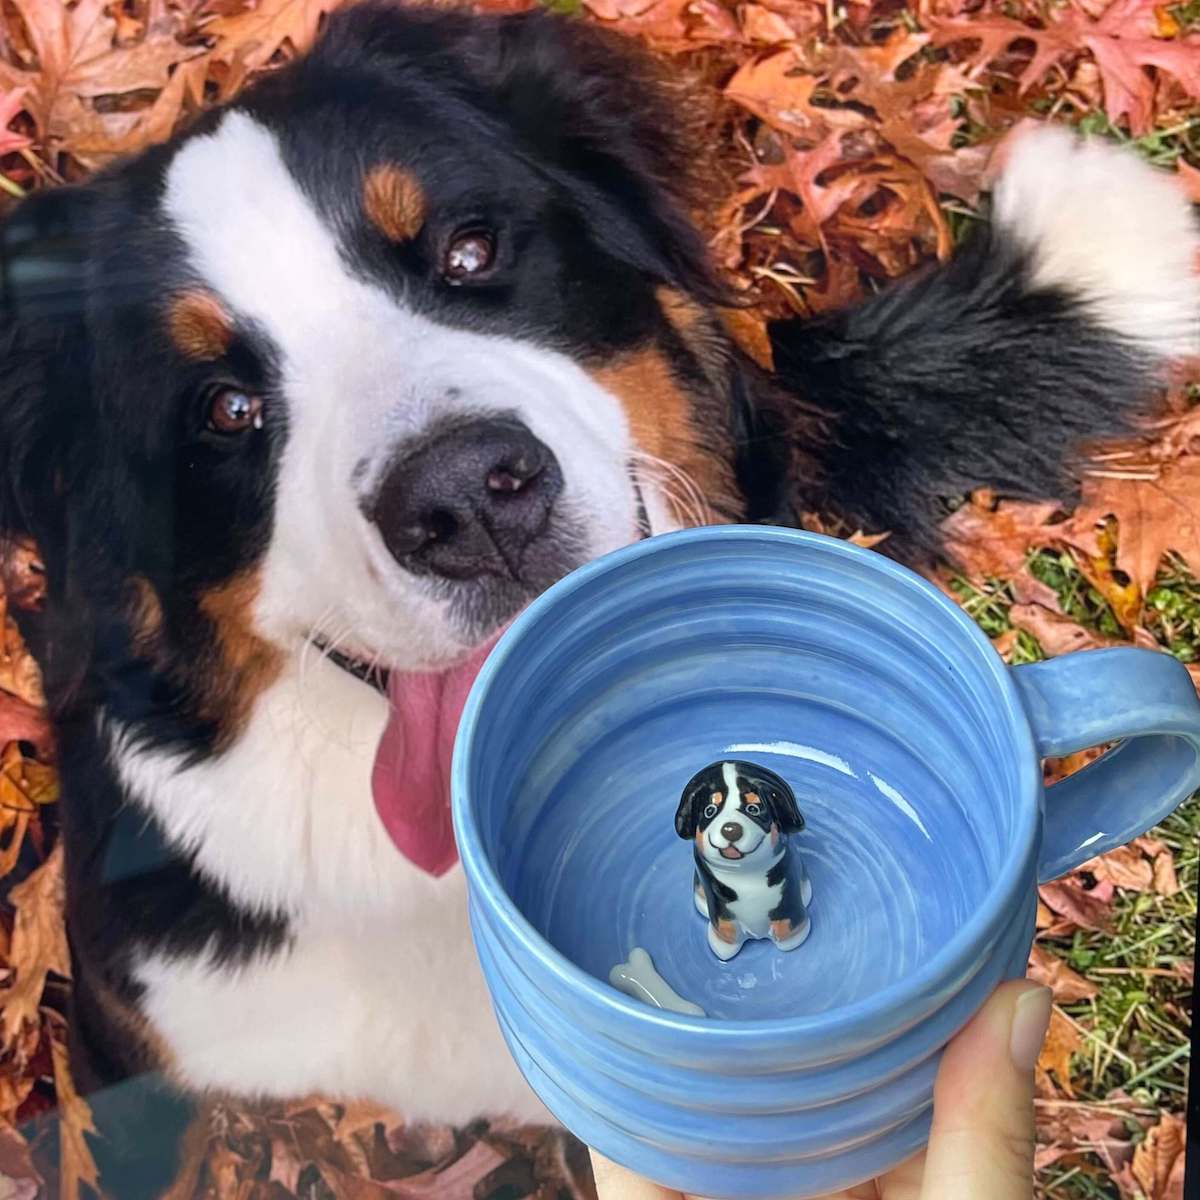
(1121, 42)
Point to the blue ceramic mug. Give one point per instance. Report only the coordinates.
(915, 755)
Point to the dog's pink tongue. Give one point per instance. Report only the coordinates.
(411, 779)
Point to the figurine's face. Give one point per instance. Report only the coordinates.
(737, 824)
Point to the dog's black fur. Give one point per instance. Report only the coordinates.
(965, 376)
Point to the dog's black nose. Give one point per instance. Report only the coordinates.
(731, 831)
(468, 500)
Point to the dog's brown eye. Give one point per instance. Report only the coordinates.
(469, 255)
(234, 411)
(752, 810)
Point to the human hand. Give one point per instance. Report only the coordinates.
(981, 1143)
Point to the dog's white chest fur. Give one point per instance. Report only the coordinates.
(379, 994)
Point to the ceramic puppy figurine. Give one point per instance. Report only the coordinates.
(749, 882)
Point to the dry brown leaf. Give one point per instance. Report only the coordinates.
(21, 722)
(1062, 1040)
(19, 674)
(16, 1163)
(1166, 883)
(251, 38)
(39, 944)
(1072, 1128)
(455, 1182)
(78, 61)
(1056, 633)
(993, 540)
(760, 24)
(775, 90)
(76, 1165)
(1125, 867)
(1071, 900)
(1121, 41)
(1050, 970)
(1158, 1162)
(22, 573)
(1153, 516)
(24, 783)
(12, 102)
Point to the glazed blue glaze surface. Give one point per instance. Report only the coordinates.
(911, 751)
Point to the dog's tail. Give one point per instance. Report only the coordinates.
(1050, 329)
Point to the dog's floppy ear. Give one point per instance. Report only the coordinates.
(687, 815)
(606, 116)
(587, 108)
(44, 389)
(778, 792)
(42, 275)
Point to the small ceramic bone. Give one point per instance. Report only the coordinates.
(638, 978)
(749, 882)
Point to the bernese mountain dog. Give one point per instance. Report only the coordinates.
(304, 405)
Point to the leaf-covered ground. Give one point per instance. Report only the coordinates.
(848, 141)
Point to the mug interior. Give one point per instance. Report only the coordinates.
(880, 705)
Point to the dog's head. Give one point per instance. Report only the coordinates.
(737, 813)
(367, 359)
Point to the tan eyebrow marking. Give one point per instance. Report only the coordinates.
(394, 202)
(199, 325)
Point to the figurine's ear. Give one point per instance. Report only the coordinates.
(689, 805)
(791, 820)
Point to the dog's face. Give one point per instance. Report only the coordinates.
(737, 813)
(372, 358)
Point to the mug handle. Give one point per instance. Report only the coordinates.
(1083, 699)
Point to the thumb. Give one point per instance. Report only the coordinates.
(981, 1144)
(616, 1183)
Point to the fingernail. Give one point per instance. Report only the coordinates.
(1031, 1019)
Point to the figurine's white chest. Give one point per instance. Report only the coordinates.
(755, 898)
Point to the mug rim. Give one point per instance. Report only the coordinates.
(980, 928)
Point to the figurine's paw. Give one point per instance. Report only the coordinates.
(701, 901)
(724, 940)
(787, 936)
(806, 891)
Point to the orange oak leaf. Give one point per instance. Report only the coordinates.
(1153, 516)
(19, 673)
(1125, 867)
(39, 944)
(669, 25)
(12, 102)
(775, 90)
(1050, 970)
(1062, 1041)
(1055, 632)
(22, 574)
(249, 39)
(78, 61)
(1072, 901)
(993, 541)
(1158, 1162)
(1166, 882)
(76, 1164)
(1121, 42)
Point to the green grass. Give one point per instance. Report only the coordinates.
(1174, 610)
(1079, 600)
(1139, 1021)
(1161, 147)
(1138, 1024)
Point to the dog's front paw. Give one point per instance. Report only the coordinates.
(787, 936)
(725, 939)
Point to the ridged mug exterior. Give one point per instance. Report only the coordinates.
(605, 669)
